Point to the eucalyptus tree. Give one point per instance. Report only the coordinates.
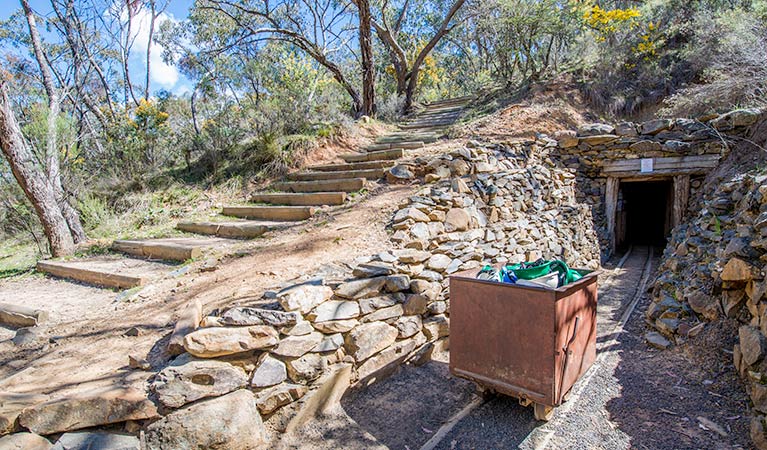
(325, 30)
(410, 30)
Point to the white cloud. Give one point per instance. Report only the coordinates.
(161, 74)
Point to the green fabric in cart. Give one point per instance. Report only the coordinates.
(529, 271)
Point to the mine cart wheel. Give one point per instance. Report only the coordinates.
(484, 391)
(543, 412)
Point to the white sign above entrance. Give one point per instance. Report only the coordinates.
(646, 165)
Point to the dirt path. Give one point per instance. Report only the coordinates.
(635, 397)
(87, 342)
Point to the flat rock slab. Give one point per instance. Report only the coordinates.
(107, 271)
(359, 289)
(188, 380)
(244, 316)
(11, 405)
(216, 341)
(297, 346)
(82, 440)
(21, 316)
(230, 422)
(89, 409)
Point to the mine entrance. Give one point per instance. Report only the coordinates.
(644, 212)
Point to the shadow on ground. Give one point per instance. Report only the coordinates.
(664, 393)
(406, 409)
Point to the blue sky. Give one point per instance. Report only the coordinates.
(163, 76)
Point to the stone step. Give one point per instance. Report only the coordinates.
(246, 229)
(353, 166)
(425, 127)
(370, 174)
(383, 155)
(170, 249)
(158, 250)
(106, 271)
(450, 101)
(346, 185)
(276, 213)
(301, 199)
(394, 145)
(458, 109)
(403, 136)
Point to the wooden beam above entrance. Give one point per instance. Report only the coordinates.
(678, 165)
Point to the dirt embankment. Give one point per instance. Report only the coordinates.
(537, 109)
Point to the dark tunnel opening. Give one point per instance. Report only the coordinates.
(644, 213)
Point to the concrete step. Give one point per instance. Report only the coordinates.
(246, 229)
(394, 145)
(370, 174)
(346, 185)
(276, 213)
(301, 199)
(110, 271)
(353, 166)
(383, 155)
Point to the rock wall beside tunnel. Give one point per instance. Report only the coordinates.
(713, 267)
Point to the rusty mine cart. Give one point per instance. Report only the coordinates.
(527, 342)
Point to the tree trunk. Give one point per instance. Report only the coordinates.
(407, 79)
(53, 166)
(32, 180)
(368, 69)
(152, 18)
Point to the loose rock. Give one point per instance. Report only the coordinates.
(228, 422)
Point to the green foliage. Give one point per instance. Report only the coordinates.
(707, 52)
(94, 211)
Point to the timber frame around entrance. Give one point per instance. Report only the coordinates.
(678, 169)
